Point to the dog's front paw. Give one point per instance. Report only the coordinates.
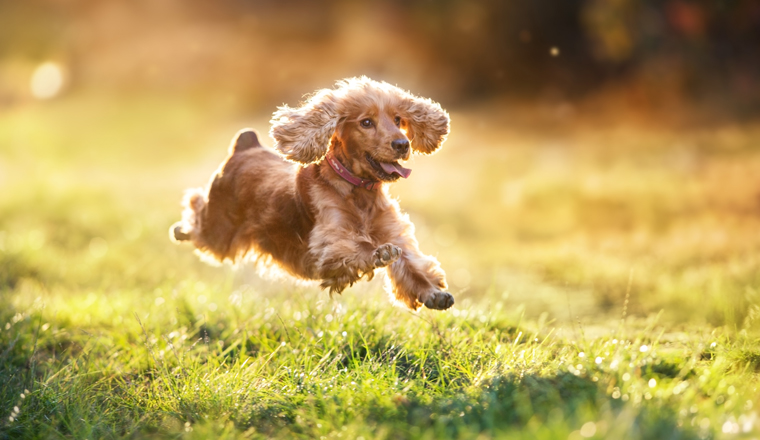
(439, 301)
(385, 255)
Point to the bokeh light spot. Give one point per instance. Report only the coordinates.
(47, 80)
(588, 429)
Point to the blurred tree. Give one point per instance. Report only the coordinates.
(266, 51)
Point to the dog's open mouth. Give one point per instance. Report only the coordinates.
(388, 171)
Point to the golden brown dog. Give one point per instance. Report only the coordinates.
(327, 217)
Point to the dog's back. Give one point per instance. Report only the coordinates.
(270, 222)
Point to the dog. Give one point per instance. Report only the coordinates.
(317, 206)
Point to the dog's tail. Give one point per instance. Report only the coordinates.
(189, 227)
(244, 140)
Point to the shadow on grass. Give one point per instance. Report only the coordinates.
(529, 406)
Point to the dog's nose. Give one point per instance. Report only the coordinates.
(400, 146)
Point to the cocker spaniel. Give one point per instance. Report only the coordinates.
(319, 207)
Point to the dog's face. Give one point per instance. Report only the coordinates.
(374, 141)
(376, 123)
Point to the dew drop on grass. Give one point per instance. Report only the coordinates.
(598, 360)
(626, 377)
(652, 383)
(644, 349)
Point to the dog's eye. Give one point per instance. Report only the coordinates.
(397, 120)
(366, 123)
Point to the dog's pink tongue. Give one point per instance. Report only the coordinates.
(391, 168)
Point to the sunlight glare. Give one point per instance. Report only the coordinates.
(47, 80)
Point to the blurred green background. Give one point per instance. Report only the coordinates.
(599, 149)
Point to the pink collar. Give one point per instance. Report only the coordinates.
(347, 176)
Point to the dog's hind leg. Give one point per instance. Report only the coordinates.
(189, 227)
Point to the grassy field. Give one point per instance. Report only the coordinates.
(607, 278)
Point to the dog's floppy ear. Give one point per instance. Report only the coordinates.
(303, 134)
(428, 124)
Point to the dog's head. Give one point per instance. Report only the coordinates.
(374, 124)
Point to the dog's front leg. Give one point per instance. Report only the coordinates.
(417, 279)
(344, 256)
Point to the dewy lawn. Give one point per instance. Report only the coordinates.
(606, 282)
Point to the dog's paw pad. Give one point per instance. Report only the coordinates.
(439, 301)
(386, 254)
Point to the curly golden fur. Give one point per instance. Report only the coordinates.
(301, 216)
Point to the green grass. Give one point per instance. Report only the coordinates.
(606, 280)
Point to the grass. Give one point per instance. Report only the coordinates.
(606, 279)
